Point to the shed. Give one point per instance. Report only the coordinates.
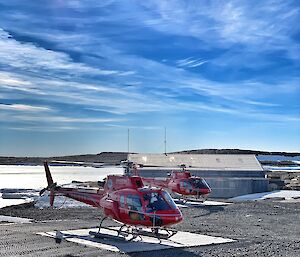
(228, 175)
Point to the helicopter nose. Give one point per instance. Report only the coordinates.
(205, 190)
(168, 218)
(202, 190)
(156, 221)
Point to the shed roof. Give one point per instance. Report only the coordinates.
(247, 162)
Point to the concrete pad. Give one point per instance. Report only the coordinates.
(195, 203)
(179, 240)
(215, 203)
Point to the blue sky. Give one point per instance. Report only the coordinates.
(75, 75)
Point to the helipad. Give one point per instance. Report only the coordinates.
(145, 243)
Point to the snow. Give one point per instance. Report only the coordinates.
(59, 202)
(285, 194)
(282, 168)
(21, 184)
(11, 219)
(20, 196)
(199, 204)
(14, 201)
(277, 158)
(21, 176)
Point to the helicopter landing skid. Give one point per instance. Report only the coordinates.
(129, 233)
(121, 234)
(106, 236)
(185, 200)
(132, 233)
(155, 233)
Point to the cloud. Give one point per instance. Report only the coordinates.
(31, 58)
(43, 129)
(24, 108)
(6, 79)
(64, 119)
(89, 67)
(135, 127)
(225, 21)
(190, 62)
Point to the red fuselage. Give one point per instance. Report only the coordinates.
(126, 200)
(181, 182)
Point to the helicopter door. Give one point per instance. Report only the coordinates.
(135, 208)
(185, 186)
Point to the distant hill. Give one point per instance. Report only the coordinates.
(117, 157)
(236, 151)
(103, 157)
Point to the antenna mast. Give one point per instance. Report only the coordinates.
(128, 140)
(165, 141)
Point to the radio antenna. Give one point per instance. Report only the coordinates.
(165, 141)
(128, 138)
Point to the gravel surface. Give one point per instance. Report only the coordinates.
(266, 228)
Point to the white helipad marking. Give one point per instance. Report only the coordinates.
(179, 240)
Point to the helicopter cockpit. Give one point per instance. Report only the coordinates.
(199, 183)
(186, 184)
(158, 201)
(193, 185)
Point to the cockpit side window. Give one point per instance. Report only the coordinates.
(134, 203)
(122, 201)
(200, 183)
(155, 202)
(185, 184)
(169, 199)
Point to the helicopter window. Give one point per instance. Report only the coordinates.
(155, 202)
(185, 184)
(134, 203)
(109, 184)
(122, 201)
(138, 183)
(199, 183)
(169, 199)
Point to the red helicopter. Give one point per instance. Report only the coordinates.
(182, 183)
(125, 199)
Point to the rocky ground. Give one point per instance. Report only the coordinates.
(266, 228)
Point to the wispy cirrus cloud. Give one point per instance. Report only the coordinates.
(43, 128)
(32, 58)
(190, 62)
(24, 108)
(226, 21)
(64, 119)
(119, 64)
